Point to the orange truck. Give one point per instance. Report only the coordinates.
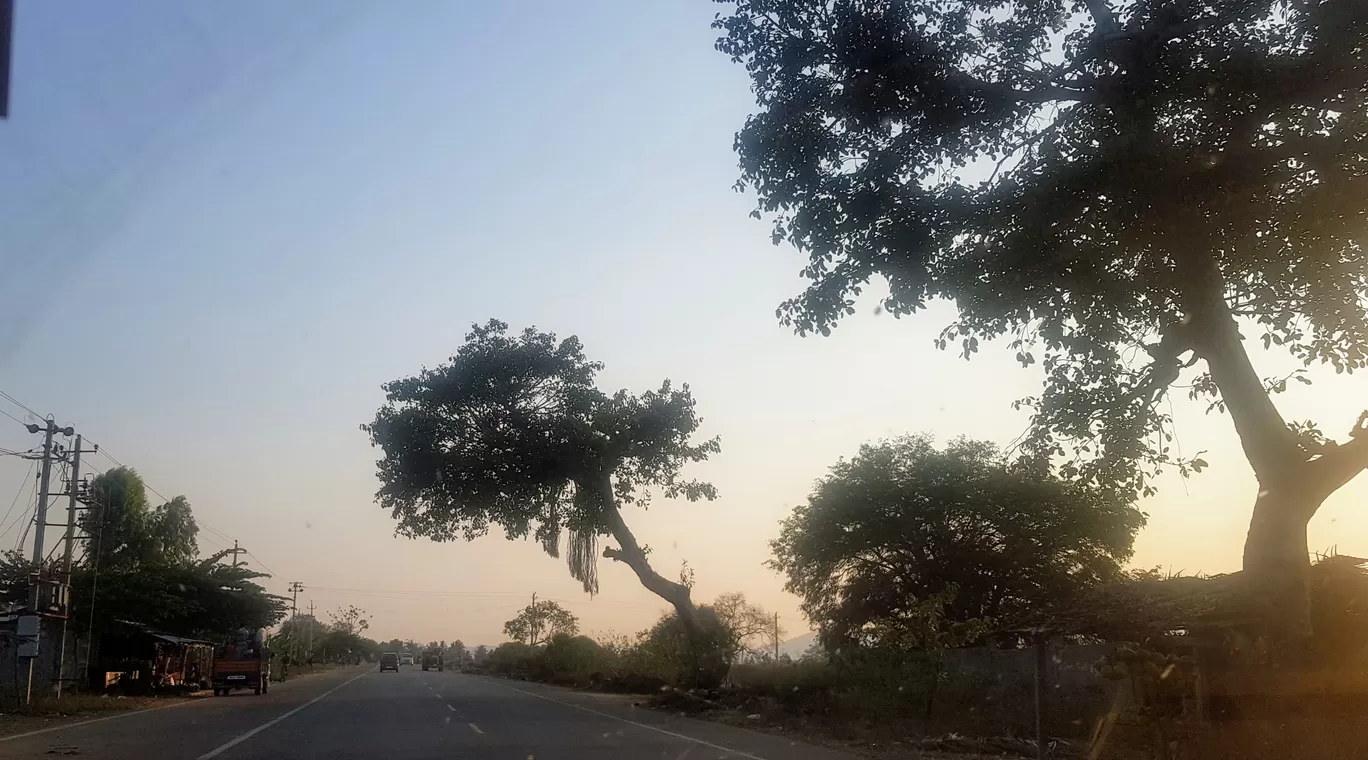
(243, 662)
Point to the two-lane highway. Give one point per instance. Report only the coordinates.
(361, 713)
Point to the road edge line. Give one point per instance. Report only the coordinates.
(215, 752)
(647, 726)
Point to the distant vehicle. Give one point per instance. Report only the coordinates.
(389, 661)
(406, 659)
(242, 663)
(433, 659)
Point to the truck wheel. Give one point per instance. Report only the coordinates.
(257, 690)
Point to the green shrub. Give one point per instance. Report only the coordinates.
(575, 659)
(512, 657)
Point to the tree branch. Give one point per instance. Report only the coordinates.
(1102, 16)
(1341, 464)
(1269, 445)
(631, 555)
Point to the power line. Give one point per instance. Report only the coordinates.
(259, 562)
(18, 493)
(20, 404)
(16, 419)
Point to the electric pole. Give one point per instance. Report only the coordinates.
(235, 551)
(532, 620)
(776, 637)
(295, 588)
(311, 627)
(30, 627)
(73, 492)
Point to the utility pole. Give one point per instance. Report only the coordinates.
(532, 620)
(73, 489)
(295, 588)
(235, 551)
(776, 637)
(311, 627)
(32, 627)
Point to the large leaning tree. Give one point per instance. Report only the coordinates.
(512, 432)
(1123, 191)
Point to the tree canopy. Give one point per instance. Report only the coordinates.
(1116, 190)
(201, 598)
(539, 621)
(118, 519)
(512, 432)
(905, 539)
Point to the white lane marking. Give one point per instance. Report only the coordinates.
(475, 728)
(78, 724)
(244, 737)
(646, 726)
(449, 707)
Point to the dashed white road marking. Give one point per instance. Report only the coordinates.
(449, 707)
(475, 728)
(215, 752)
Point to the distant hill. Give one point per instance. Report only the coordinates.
(797, 646)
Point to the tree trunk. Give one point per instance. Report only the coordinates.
(1292, 483)
(630, 553)
(1276, 562)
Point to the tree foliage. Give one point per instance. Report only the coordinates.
(904, 541)
(204, 598)
(512, 432)
(539, 621)
(1115, 189)
(118, 519)
(749, 626)
(174, 531)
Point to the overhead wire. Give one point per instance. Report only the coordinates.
(105, 453)
(17, 494)
(20, 404)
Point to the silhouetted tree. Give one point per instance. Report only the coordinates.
(540, 621)
(173, 532)
(1114, 189)
(513, 432)
(906, 537)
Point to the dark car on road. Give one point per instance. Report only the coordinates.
(389, 661)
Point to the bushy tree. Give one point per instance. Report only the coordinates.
(173, 532)
(458, 652)
(1121, 191)
(540, 621)
(118, 519)
(205, 598)
(904, 539)
(512, 432)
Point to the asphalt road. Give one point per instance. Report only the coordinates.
(410, 715)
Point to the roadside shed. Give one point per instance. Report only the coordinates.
(136, 659)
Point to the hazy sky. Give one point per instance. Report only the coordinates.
(226, 224)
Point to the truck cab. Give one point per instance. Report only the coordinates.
(433, 661)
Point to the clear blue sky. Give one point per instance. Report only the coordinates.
(226, 224)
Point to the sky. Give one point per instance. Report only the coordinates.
(224, 226)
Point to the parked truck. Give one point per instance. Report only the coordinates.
(242, 662)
